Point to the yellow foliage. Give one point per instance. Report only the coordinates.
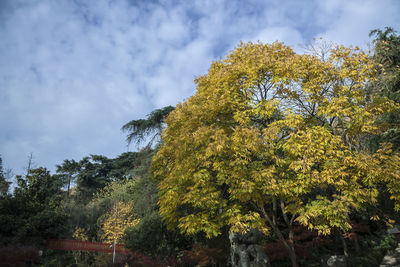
(80, 234)
(118, 219)
(266, 125)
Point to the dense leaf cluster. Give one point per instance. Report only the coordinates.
(34, 213)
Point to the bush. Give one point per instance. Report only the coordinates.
(373, 250)
(151, 237)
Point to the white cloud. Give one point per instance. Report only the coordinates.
(349, 22)
(73, 72)
(273, 34)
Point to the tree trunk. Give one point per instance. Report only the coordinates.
(345, 250)
(356, 243)
(245, 252)
(69, 185)
(293, 258)
(292, 252)
(289, 248)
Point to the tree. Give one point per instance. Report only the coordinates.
(38, 186)
(117, 220)
(387, 60)
(139, 130)
(34, 212)
(272, 138)
(4, 184)
(68, 171)
(152, 237)
(123, 165)
(31, 164)
(93, 175)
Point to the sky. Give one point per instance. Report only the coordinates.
(73, 72)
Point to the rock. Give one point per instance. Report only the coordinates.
(336, 261)
(245, 252)
(392, 259)
(394, 231)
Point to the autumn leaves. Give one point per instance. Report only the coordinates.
(270, 128)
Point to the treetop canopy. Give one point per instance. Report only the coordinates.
(268, 126)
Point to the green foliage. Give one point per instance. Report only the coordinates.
(38, 187)
(387, 84)
(115, 202)
(67, 172)
(93, 175)
(119, 190)
(141, 163)
(90, 216)
(373, 248)
(34, 212)
(139, 130)
(121, 180)
(152, 237)
(83, 216)
(56, 258)
(137, 187)
(123, 165)
(145, 196)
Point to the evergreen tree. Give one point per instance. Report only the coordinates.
(34, 212)
(139, 130)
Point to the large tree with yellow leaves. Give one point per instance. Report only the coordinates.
(269, 136)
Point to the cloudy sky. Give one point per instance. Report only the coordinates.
(73, 72)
